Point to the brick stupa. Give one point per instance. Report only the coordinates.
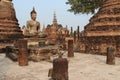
(9, 27)
(103, 29)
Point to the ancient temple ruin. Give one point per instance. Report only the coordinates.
(103, 29)
(9, 27)
(56, 32)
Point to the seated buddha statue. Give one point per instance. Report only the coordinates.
(33, 26)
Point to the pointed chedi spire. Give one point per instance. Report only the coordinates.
(66, 27)
(43, 26)
(54, 19)
(43, 30)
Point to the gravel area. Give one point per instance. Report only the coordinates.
(81, 67)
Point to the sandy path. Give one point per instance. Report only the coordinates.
(81, 67)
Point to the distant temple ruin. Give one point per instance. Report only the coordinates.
(55, 31)
(103, 29)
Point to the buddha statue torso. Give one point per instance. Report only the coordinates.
(33, 26)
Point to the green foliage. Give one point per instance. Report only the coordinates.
(84, 6)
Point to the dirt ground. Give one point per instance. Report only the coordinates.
(81, 67)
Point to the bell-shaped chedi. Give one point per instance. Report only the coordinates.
(107, 21)
(103, 29)
(9, 27)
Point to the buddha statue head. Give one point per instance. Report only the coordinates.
(33, 14)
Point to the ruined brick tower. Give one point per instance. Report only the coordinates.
(9, 27)
(103, 29)
(53, 33)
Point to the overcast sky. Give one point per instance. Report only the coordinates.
(45, 10)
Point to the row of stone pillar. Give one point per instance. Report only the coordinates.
(76, 34)
(60, 65)
(22, 54)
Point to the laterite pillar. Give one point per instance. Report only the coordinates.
(70, 48)
(23, 53)
(110, 56)
(60, 69)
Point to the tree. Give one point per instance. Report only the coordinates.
(84, 6)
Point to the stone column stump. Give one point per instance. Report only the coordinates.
(110, 56)
(23, 53)
(70, 48)
(78, 31)
(7, 51)
(74, 36)
(60, 69)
